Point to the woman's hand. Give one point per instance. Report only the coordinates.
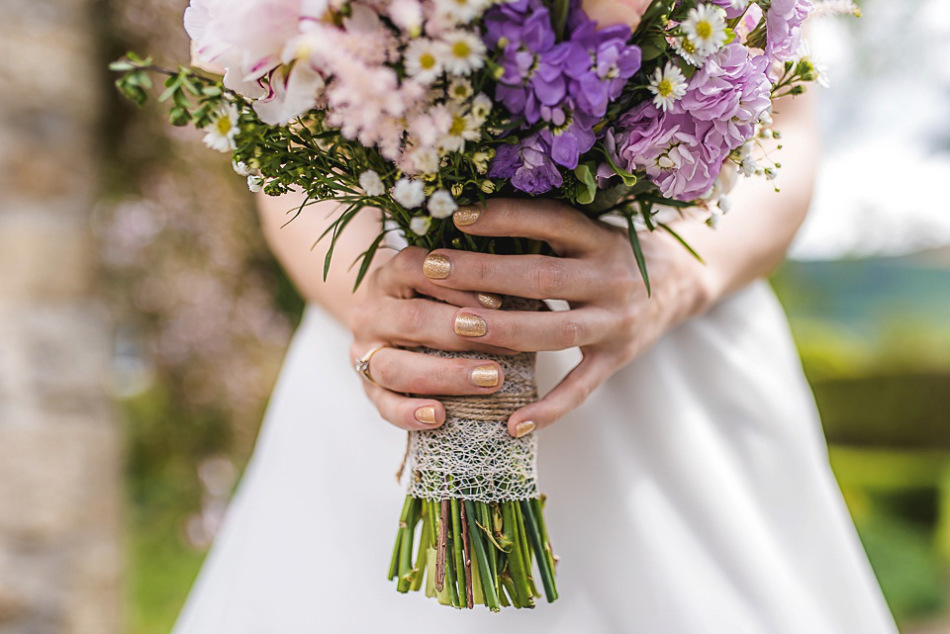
(611, 318)
(396, 306)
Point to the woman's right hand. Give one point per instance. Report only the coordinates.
(397, 305)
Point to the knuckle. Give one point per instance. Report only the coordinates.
(569, 333)
(550, 280)
(412, 317)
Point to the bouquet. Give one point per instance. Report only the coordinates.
(636, 109)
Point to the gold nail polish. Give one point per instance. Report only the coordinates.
(426, 415)
(436, 267)
(490, 300)
(485, 376)
(465, 216)
(524, 428)
(470, 325)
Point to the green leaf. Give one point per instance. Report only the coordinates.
(628, 179)
(367, 257)
(585, 176)
(680, 239)
(638, 252)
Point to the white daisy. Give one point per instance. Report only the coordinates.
(459, 89)
(371, 183)
(408, 193)
(419, 225)
(685, 49)
(460, 11)
(241, 168)
(705, 27)
(222, 130)
(441, 204)
(424, 59)
(668, 85)
(464, 127)
(466, 52)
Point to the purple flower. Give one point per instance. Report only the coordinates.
(783, 28)
(528, 164)
(682, 150)
(730, 91)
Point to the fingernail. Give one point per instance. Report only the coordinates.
(465, 216)
(436, 267)
(485, 376)
(426, 415)
(524, 428)
(490, 300)
(470, 325)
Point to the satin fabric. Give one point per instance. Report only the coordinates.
(691, 494)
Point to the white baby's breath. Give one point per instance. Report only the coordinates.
(441, 204)
(409, 193)
(371, 183)
(419, 225)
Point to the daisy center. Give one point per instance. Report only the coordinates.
(664, 88)
(461, 49)
(704, 30)
(458, 126)
(427, 61)
(223, 125)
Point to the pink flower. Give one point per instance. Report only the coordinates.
(611, 12)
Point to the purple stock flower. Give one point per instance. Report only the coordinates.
(682, 150)
(783, 28)
(528, 164)
(568, 85)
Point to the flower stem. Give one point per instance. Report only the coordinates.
(544, 566)
(442, 545)
(466, 556)
(481, 558)
(516, 567)
(457, 548)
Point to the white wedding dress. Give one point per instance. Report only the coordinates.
(691, 494)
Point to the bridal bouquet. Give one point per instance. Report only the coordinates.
(637, 109)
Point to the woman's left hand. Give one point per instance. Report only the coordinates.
(611, 317)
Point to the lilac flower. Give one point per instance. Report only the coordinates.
(532, 59)
(730, 91)
(682, 150)
(783, 27)
(528, 164)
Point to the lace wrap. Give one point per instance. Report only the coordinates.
(472, 456)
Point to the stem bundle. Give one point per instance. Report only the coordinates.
(474, 552)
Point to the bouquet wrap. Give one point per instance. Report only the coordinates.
(472, 455)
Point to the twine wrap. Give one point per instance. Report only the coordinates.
(472, 456)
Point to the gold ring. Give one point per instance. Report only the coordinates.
(361, 364)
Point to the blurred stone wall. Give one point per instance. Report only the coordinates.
(59, 441)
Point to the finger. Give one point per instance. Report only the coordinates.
(418, 373)
(568, 231)
(414, 322)
(403, 277)
(532, 276)
(406, 412)
(573, 390)
(531, 331)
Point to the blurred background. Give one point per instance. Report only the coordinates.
(142, 320)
